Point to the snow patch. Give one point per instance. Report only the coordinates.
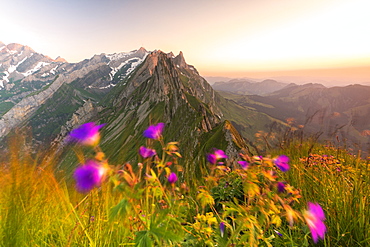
(5, 78)
(116, 56)
(132, 67)
(53, 70)
(12, 52)
(109, 86)
(36, 68)
(12, 68)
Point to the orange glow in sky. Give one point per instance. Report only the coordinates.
(233, 38)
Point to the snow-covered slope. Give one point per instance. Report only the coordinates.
(18, 61)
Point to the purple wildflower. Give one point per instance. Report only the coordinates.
(217, 154)
(222, 229)
(87, 134)
(282, 163)
(211, 158)
(278, 233)
(172, 178)
(88, 176)
(220, 154)
(281, 187)
(146, 152)
(154, 131)
(314, 217)
(243, 164)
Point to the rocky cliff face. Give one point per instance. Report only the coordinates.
(128, 92)
(27, 106)
(29, 79)
(163, 89)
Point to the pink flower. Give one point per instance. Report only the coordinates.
(314, 217)
(172, 178)
(87, 134)
(146, 152)
(282, 163)
(281, 187)
(154, 131)
(89, 175)
(217, 154)
(243, 164)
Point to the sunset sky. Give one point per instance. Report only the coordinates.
(220, 38)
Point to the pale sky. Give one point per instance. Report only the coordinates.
(220, 38)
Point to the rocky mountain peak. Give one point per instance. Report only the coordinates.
(170, 55)
(159, 90)
(60, 59)
(15, 48)
(180, 60)
(141, 51)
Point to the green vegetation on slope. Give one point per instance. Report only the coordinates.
(5, 106)
(39, 206)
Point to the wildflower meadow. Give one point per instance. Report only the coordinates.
(305, 194)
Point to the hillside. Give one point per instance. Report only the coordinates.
(340, 113)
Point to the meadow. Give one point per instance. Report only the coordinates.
(304, 194)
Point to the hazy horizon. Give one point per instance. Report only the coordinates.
(327, 77)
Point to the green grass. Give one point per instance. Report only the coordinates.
(5, 106)
(39, 205)
(340, 182)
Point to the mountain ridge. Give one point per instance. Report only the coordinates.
(249, 87)
(17, 103)
(340, 113)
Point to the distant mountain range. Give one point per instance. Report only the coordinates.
(329, 77)
(131, 90)
(249, 87)
(340, 114)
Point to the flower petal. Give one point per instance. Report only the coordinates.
(172, 178)
(282, 163)
(88, 176)
(87, 134)
(154, 131)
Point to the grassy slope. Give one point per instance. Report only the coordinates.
(40, 208)
(247, 120)
(340, 183)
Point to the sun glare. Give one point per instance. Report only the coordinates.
(325, 39)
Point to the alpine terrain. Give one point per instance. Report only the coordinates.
(128, 92)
